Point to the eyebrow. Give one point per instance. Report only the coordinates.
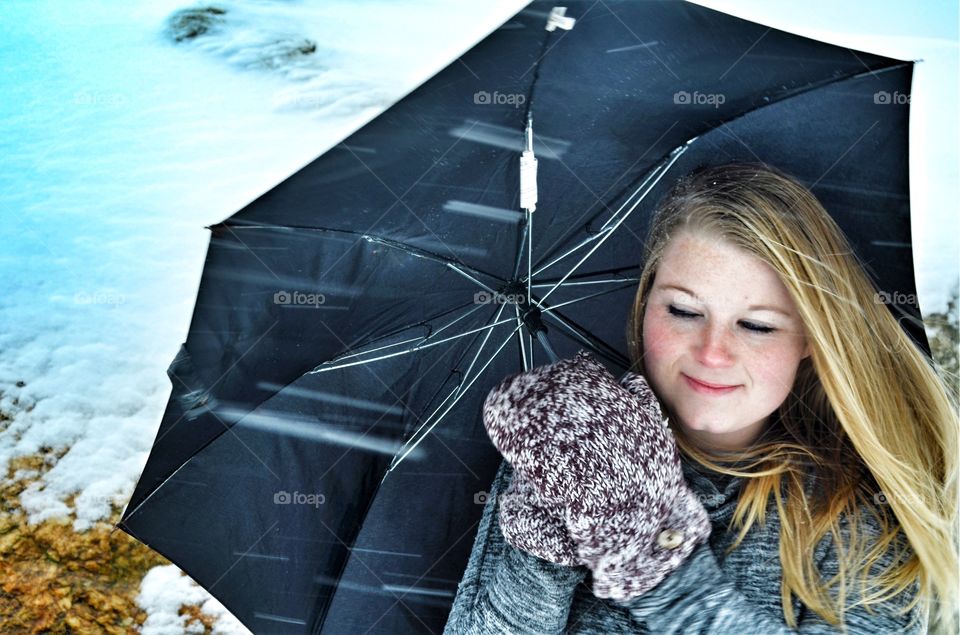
(756, 307)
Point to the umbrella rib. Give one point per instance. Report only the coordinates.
(529, 252)
(519, 258)
(486, 338)
(427, 426)
(394, 244)
(604, 228)
(413, 339)
(523, 348)
(573, 249)
(323, 368)
(573, 284)
(662, 169)
(455, 391)
(674, 156)
(529, 337)
(469, 277)
(596, 344)
(528, 365)
(548, 309)
(462, 392)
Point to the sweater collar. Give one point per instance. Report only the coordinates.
(713, 488)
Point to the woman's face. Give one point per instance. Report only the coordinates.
(718, 315)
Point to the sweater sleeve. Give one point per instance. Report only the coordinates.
(506, 590)
(700, 598)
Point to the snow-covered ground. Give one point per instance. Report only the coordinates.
(117, 147)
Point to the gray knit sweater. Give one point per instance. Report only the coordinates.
(508, 591)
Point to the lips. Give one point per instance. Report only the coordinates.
(707, 388)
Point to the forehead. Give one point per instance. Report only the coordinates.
(718, 272)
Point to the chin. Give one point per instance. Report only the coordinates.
(702, 426)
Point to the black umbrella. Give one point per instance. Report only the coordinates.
(321, 464)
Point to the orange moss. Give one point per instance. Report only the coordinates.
(54, 579)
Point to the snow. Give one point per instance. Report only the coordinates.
(164, 589)
(118, 150)
(119, 147)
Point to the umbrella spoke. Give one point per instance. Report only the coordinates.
(460, 390)
(469, 277)
(573, 284)
(598, 346)
(617, 218)
(417, 437)
(483, 344)
(530, 348)
(413, 339)
(240, 224)
(548, 309)
(520, 251)
(574, 249)
(333, 365)
(527, 364)
(529, 255)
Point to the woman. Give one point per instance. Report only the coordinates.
(804, 478)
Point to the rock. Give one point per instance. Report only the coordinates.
(247, 42)
(280, 53)
(187, 24)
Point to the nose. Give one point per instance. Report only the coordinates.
(714, 349)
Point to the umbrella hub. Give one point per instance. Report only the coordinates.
(531, 317)
(515, 292)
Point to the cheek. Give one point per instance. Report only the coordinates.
(776, 371)
(660, 342)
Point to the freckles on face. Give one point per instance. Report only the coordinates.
(722, 340)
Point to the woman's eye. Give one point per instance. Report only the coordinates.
(750, 326)
(756, 328)
(680, 313)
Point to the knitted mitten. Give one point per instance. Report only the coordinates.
(602, 454)
(530, 526)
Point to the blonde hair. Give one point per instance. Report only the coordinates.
(868, 413)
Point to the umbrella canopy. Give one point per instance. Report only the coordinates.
(322, 462)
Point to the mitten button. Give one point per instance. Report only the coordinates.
(670, 538)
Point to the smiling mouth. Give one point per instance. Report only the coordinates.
(708, 389)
